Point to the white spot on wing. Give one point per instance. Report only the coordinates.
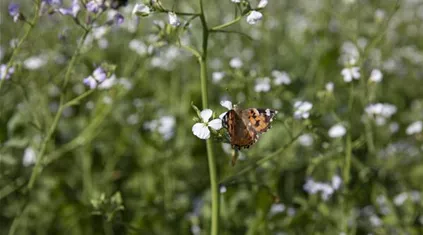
(267, 112)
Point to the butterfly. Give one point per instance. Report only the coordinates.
(245, 125)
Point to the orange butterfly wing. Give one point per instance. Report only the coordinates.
(240, 135)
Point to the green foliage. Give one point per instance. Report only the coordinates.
(122, 158)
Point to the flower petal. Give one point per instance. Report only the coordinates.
(201, 131)
(216, 124)
(226, 103)
(222, 115)
(206, 114)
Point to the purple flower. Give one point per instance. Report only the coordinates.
(94, 6)
(6, 74)
(119, 19)
(14, 11)
(73, 10)
(98, 76)
(54, 2)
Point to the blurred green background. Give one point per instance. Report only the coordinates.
(123, 160)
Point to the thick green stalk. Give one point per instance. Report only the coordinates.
(209, 145)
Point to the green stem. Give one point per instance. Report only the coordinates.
(348, 153)
(231, 31)
(22, 40)
(209, 144)
(62, 106)
(259, 162)
(76, 100)
(181, 13)
(225, 25)
(36, 170)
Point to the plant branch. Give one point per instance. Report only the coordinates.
(260, 161)
(37, 168)
(225, 25)
(229, 31)
(16, 50)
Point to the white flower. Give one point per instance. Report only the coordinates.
(349, 1)
(35, 62)
(305, 140)
(99, 75)
(141, 10)
(277, 208)
(254, 17)
(227, 104)
(414, 128)
(173, 19)
(29, 157)
(262, 4)
(394, 127)
(217, 76)
(201, 130)
(108, 83)
(3, 74)
(379, 15)
(336, 182)
(375, 221)
(236, 63)
(262, 85)
(313, 187)
(138, 46)
(100, 32)
(302, 109)
(351, 73)
(222, 189)
(337, 131)
(329, 86)
(166, 127)
(376, 75)
(281, 77)
(379, 109)
(236, 1)
(362, 42)
(132, 119)
(349, 53)
(400, 198)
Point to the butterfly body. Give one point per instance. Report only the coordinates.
(245, 125)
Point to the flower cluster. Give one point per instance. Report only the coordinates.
(381, 112)
(98, 76)
(263, 84)
(164, 125)
(325, 189)
(302, 109)
(6, 73)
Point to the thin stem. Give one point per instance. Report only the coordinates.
(22, 40)
(17, 220)
(348, 153)
(262, 160)
(229, 31)
(209, 144)
(36, 170)
(74, 56)
(225, 25)
(62, 105)
(8, 189)
(181, 13)
(192, 51)
(76, 100)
